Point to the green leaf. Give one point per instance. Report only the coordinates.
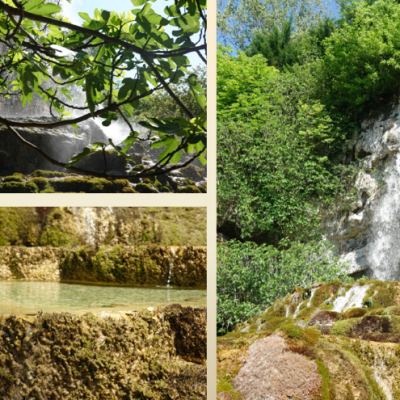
(197, 91)
(138, 3)
(73, 160)
(85, 16)
(46, 9)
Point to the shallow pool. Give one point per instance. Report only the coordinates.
(19, 297)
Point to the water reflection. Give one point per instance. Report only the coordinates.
(18, 297)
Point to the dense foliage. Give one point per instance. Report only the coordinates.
(276, 150)
(251, 277)
(239, 20)
(116, 61)
(287, 107)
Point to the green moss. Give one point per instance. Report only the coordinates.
(54, 236)
(203, 187)
(223, 386)
(13, 178)
(90, 185)
(16, 224)
(40, 182)
(128, 189)
(50, 174)
(342, 328)
(145, 188)
(189, 189)
(354, 313)
(32, 187)
(293, 331)
(17, 187)
(394, 310)
(384, 297)
(326, 380)
(320, 296)
(165, 189)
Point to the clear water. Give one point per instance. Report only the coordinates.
(18, 297)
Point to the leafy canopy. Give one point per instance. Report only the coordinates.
(116, 60)
(239, 20)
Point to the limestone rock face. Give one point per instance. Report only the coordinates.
(365, 236)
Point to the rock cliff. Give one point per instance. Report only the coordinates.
(367, 235)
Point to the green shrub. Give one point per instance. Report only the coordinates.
(252, 277)
(361, 65)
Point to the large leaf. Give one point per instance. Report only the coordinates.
(197, 91)
(73, 160)
(45, 9)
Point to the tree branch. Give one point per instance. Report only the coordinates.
(90, 32)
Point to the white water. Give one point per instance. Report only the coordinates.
(353, 298)
(384, 256)
(89, 217)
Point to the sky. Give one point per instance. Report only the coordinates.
(72, 9)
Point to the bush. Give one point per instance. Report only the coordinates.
(252, 277)
(362, 61)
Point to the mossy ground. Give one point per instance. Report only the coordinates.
(60, 182)
(358, 346)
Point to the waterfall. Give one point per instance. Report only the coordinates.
(89, 217)
(171, 266)
(353, 298)
(384, 256)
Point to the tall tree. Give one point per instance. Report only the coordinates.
(240, 20)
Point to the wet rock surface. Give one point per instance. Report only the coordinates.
(125, 265)
(351, 354)
(64, 356)
(366, 235)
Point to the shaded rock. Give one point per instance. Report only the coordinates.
(190, 331)
(60, 143)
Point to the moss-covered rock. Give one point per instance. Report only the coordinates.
(100, 226)
(90, 185)
(145, 188)
(13, 178)
(138, 266)
(74, 357)
(189, 189)
(355, 351)
(95, 162)
(18, 187)
(51, 174)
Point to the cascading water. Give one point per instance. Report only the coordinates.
(89, 217)
(353, 298)
(170, 267)
(384, 256)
